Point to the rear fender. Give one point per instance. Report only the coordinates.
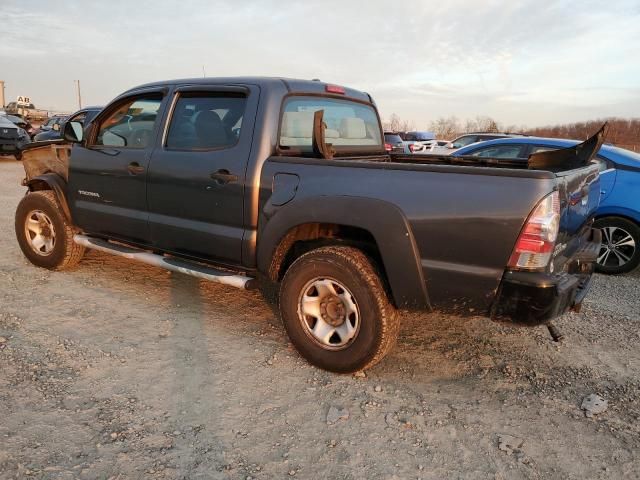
(54, 182)
(384, 221)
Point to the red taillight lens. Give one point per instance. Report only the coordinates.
(535, 244)
(388, 147)
(412, 147)
(335, 89)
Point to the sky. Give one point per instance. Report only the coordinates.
(525, 63)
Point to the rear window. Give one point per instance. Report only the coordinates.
(392, 138)
(349, 124)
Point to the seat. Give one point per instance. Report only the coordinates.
(353, 131)
(210, 131)
(297, 128)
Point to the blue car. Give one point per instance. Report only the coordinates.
(619, 213)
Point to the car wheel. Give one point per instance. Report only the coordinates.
(44, 235)
(620, 249)
(336, 311)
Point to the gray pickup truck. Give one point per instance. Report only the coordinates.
(249, 180)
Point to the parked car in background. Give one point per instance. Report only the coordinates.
(417, 142)
(22, 123)
(51, 124)
(469, 138)
(83, 116)
(618, 215)
(12, 137)
(393, 142)
(28, 111)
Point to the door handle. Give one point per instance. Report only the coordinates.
(135, 168)
(223, 176)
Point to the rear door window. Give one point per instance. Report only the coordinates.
(206, 121)
(349, 124)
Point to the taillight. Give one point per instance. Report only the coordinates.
(412, 147)
(388, 147)
(537, 239)
(335, 89)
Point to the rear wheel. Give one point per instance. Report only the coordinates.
(44, 235)
(336, 311)
(620, 249)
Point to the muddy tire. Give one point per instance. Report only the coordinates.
(43, 233)
(336, 311)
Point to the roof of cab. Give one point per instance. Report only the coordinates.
(291, 84)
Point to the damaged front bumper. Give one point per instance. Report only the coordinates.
(533, 298)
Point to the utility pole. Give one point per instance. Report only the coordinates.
(1, 93)
(204, 73)
(77, 82)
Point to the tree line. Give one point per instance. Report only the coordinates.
(623, 132)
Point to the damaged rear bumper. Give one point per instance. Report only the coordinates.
(532, 298)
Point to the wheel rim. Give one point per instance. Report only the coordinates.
(329, 313)
(617, 249)
(40, 233)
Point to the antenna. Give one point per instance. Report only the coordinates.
(77, 82)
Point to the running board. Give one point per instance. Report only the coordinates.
(168, 263)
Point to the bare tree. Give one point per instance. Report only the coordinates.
(445, 128)
(396, 124)
(622, 132)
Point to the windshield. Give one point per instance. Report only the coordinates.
(348, 123)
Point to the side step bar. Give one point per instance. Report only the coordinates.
(168, 263)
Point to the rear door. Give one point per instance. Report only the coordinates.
(108, 174)
(197, 175)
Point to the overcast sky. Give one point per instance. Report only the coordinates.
(522, 62)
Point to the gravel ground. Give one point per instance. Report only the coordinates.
(117, 370)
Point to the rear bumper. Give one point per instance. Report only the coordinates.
(532, 298)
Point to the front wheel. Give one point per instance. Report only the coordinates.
(620, 248)
(44, 234)
(336, 311)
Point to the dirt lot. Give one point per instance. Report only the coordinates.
(117, 370)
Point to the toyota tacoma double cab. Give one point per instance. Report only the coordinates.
(249, 180)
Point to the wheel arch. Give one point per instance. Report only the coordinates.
(54, 182)
(378, 228)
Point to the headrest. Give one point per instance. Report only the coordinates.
(297, 124)
(352, 127)
(331, 133)
(209, 129)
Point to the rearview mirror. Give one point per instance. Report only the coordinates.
(56, 127)
(73, 132)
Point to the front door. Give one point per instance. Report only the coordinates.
(108, 174)
(196, 177)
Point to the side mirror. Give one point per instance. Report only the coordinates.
(72, 132)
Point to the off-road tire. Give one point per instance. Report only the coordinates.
(632, 229)
(66, 253)
(379, 322)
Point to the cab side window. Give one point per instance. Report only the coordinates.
(131, 124)
(206, 121)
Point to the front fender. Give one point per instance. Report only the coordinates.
(384, 221)
(56, 183)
